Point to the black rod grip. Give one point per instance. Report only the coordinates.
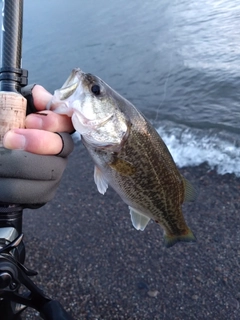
(12, 33)
(12, 77)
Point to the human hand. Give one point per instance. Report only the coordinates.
(40, 134)
(43, 149)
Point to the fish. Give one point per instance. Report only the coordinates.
(128, 153)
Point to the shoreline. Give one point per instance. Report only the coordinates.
(91, 259)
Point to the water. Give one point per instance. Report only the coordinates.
(177, 61)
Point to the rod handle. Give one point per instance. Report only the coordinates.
(13, 108)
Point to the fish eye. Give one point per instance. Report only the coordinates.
(96, 89)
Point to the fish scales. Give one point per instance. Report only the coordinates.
(128, 154)
(156, 186)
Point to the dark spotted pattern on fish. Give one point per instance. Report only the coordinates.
(156, 187)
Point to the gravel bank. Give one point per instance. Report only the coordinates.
(91, 259)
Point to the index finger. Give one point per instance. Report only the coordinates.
(53, 122)
(49, 121)
(41, 97)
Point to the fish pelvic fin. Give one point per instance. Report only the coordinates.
(171, 239)
(190, 193)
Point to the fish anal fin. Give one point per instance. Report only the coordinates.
(100, 180)
(190, 192)
(139, 220)
(171, 239)
(125, 168)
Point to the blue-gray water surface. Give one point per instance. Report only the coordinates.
(177, 61)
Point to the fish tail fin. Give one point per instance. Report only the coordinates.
(171, 239)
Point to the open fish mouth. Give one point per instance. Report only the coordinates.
(84, 125)
(71, 84)
(63, 100)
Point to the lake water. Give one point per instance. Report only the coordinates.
(178, 61)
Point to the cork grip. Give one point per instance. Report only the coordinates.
(13, 108)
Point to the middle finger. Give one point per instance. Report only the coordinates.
(49, 121)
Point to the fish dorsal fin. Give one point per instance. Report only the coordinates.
(100, 180)
(139, 220)
(190, 192)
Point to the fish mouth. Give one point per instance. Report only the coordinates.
(63, 99)
(71, 84)
(74, 85)
(84, 125)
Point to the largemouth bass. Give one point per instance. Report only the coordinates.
(128, 154)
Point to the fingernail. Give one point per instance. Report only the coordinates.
(42, 113)
(34, 121)
(13, 140)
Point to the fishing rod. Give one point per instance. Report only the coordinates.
(19, 188)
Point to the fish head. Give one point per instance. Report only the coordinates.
(94, 108)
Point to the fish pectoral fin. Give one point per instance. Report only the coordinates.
(190, 192)
(125, 168)
(100, 180)
(139, 220)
